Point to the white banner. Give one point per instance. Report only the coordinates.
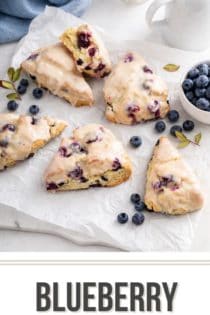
(115, 283)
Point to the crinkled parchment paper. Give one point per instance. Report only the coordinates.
(90, 216)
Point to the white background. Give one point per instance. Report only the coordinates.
(122, 21)
(18, 283)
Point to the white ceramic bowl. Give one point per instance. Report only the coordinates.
(191, 109)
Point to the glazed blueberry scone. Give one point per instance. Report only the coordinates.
(54, 68)
(88, 50)
(91, 157)
(133, 93)
(171, 188)
(21, 136)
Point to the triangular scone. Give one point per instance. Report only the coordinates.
(171, 187)
(91, 157)
(88, 50)
(54, 69)
(133, 93)
(21, 136)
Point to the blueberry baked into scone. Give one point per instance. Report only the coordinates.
(54, 68)
(91, 157)
(172, 187)
(88, 50)
(22, 136)
(133, 93)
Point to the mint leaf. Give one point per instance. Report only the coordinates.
(183, 144)
(184, 141)
(16, 75)
(13, 96)
(197, 138)
(170, 67)
(10, 73)
(180, 136)
(6, 84)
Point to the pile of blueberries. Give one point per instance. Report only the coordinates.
(138, 217)
(160, 126)
(196, 86)
(173, 117)
(21, 89)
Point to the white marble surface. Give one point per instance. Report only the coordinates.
(122, 21)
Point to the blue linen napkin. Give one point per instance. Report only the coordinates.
(16, 15)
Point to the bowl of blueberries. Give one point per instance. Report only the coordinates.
(195, 92)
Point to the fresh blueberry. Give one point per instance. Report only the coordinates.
(21, 89)
(34, 109)
(203, 69)
(38, 93)
(140, 206)
(135, 198)
(190, 95)
(12, 106)
(203, 103)
(188, 125)
(138, 218)
(202, 81)
(208, 93)
(187, 85)
(160, 126)
(174, 129)
(136, 141)
(24, 82)
(173, 115)
(122, 218)
(194, 73)
(200, 92)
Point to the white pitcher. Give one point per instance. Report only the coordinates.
(186, 24)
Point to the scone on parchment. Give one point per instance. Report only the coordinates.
(171, 187)
(90, 54)
(133, 93)
(54, 68)
(91, 157)
(22, 136)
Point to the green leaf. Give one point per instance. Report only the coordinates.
(197, 138)
(183, 144)
(16, 75)
(13, 96)
(180, 136)
(170, 67)
(6, 84)
(10, 73)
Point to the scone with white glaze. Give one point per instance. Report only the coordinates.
(172, 187)
(54, 69)
(91, 157)
(22, 136)
(90, 54)
(133, 93)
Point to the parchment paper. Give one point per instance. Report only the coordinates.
(90, 215)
